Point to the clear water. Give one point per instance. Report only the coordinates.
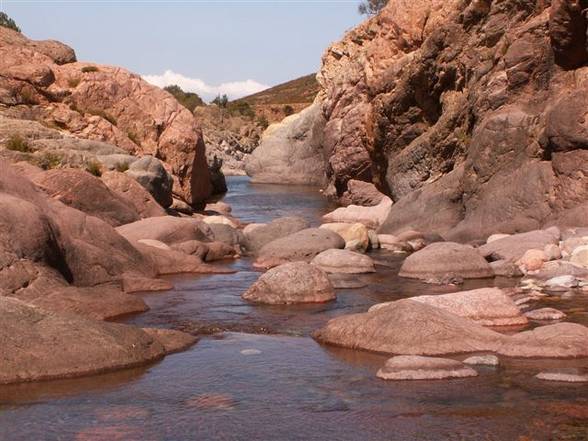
(261, 377)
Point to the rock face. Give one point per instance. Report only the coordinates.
(150, 173)
(440, 259)
(57, 256)
(409, 328)
(414, 367)
(38, 345)
(80, 190)
(440, 103)
(133, 193)
(290, 152)
(301, 246)
(296, 282)
(42, 81)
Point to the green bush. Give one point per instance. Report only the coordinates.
(133, 137)
(122, 167)
(18, 144)
(73, 82)
(88, 69)
(102, 114)
(288, 110)
(94, 168)
(48, 161)
(8, 22)
(263, 122)
(371, 7)
(187, 99)
(241, 108)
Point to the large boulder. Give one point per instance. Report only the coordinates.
(562, 340)
(371, 217)
(84, 192)
(39, 345)
(150, 173)
(301, 246)
(364, 194)
(440, 259)
(296, 282)
(134, 193)
(407, 327)
(344, 261)
(290, 152)
(486, 306)
(166, 229)
(356, 235)
(514, 246)
(261, 235)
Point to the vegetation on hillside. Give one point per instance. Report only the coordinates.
(371, 7)
(300, 90)
(187, 99)
(8, 22)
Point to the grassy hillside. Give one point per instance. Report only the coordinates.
(284, 99)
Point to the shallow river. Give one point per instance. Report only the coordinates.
(256, 374)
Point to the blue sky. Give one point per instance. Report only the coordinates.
(201, 44)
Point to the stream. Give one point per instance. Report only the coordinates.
(256, 374)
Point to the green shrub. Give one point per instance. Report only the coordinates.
(18, 144)
(73, 82)
(94, 168)
(122, 167)
(187, 99)
(8, 22)
(371, 7)
(88, 69)
(263, 122)
(102, 114)
(48, 161)
(288, 110)
(28, 95)
(133, 137)
(241, 108)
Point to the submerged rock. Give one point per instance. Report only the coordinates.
(296, 282)
(39, 345)
(301, 246)
(545, 314)
(344, 261)
(412, 367)
(442, 258)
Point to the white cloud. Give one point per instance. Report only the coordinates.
(234, 90)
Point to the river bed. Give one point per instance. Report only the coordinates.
(256, 374)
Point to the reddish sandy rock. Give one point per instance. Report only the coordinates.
(260, 235)
(444, 258)
(407, 327)
(134, 193)
(545, 314)
(39, 345)
(414, 367)
(371, 217)
(301, 246)
(296, 282)
(166, 229)
(344, 261)
(562, 340)
(514, 247)
(82, 191)
(532, 260)
(364, 194)
(486, 306)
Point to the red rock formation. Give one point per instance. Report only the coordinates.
(41, 80)
(469, 114)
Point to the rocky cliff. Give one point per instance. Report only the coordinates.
(43, 82)
(471, 115)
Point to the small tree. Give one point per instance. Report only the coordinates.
(371, 7)
(222, 102)
(8, 22)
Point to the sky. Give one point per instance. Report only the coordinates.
(236, 47)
